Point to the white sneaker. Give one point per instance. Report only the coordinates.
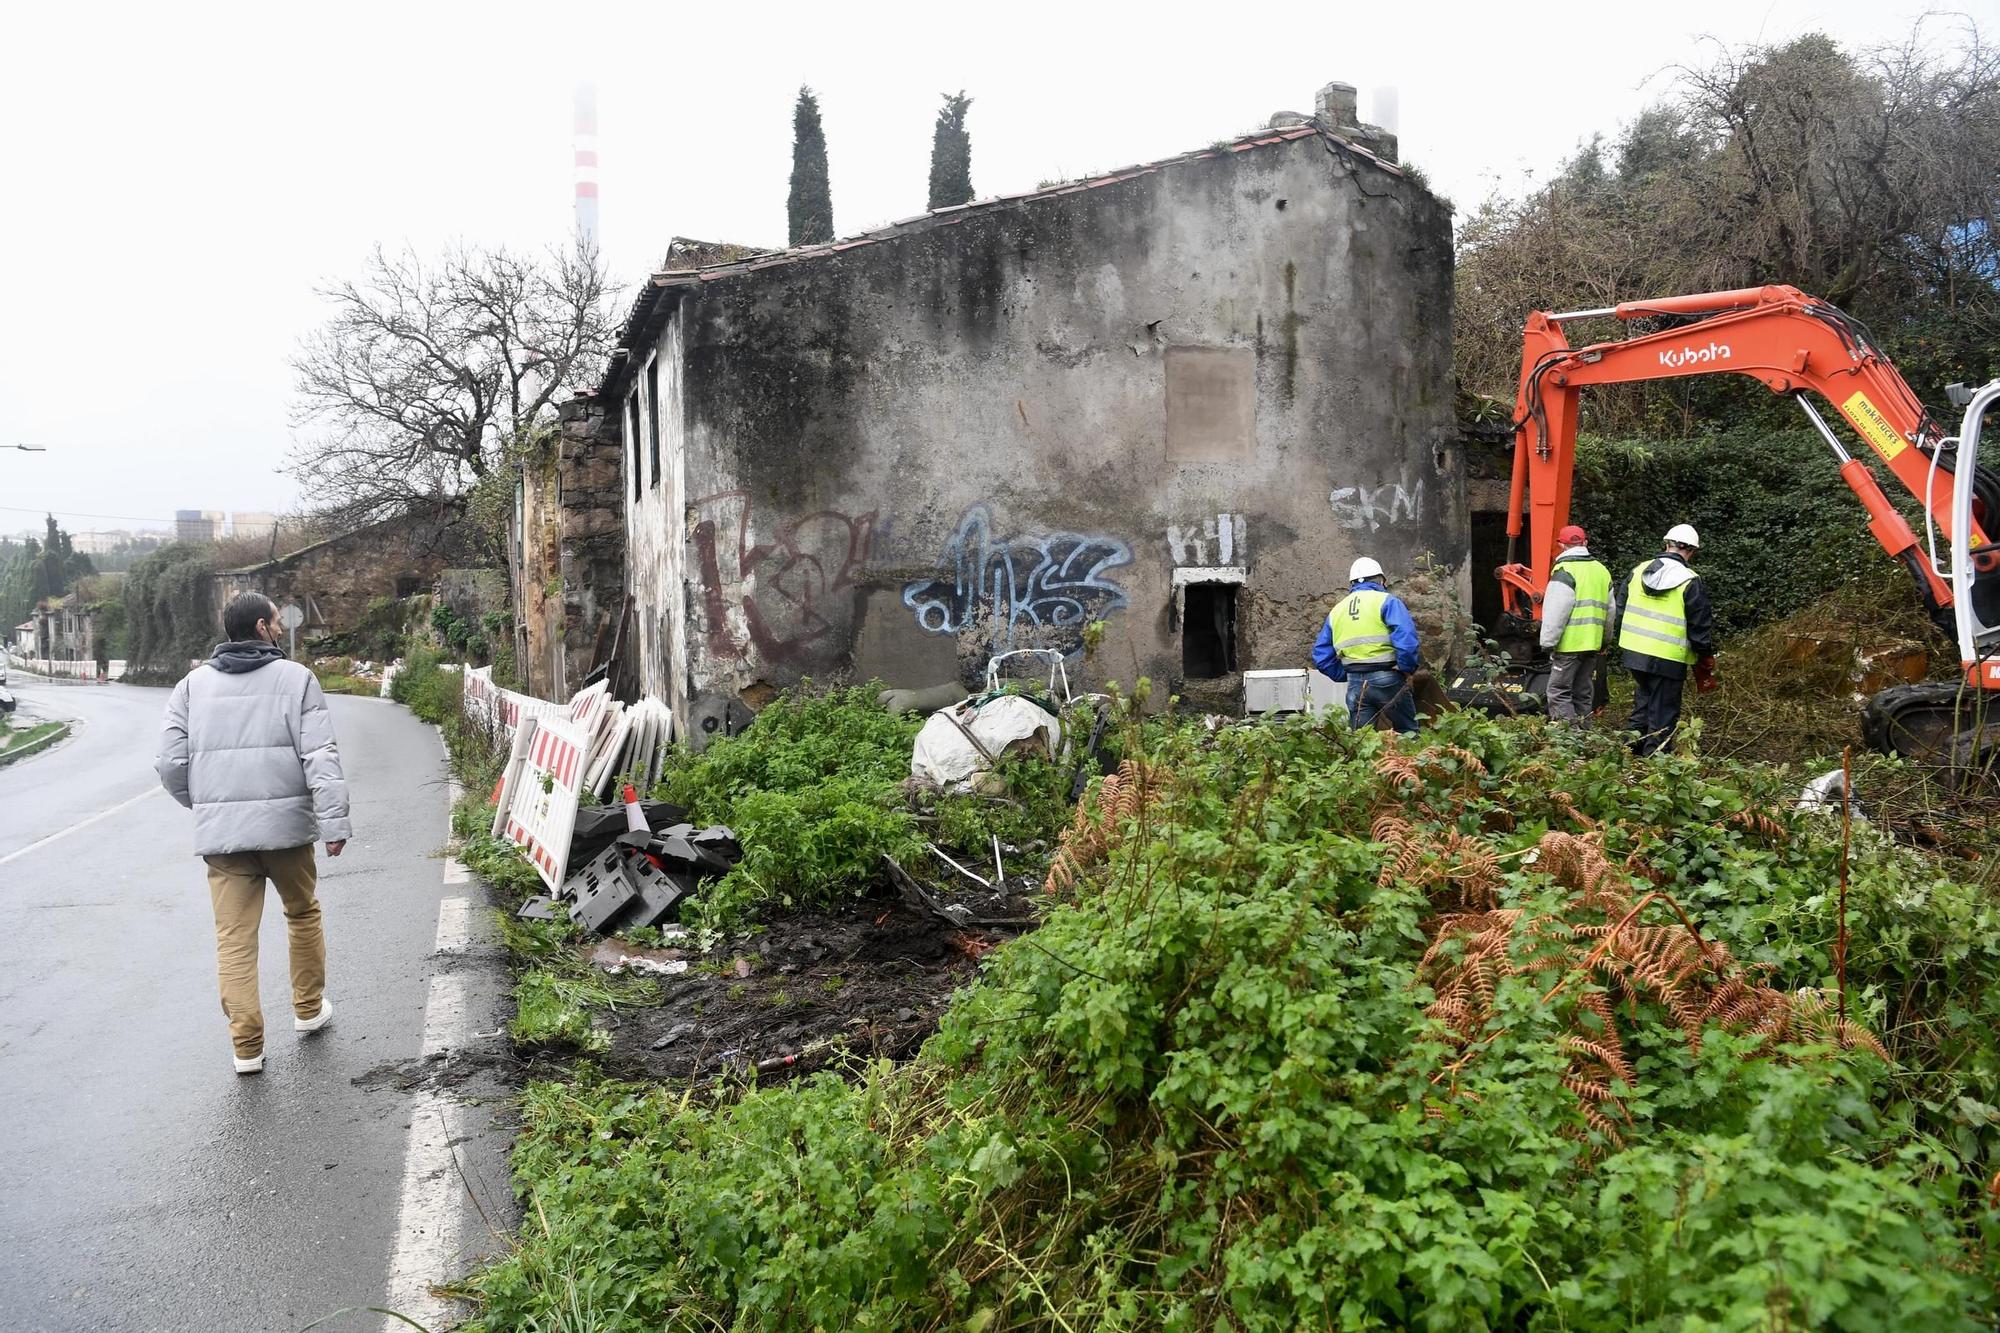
(317, 1021)
(254, 1065)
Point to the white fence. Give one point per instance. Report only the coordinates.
(561, 753)
(64, 668)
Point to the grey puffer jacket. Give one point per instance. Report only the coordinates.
(248, 746)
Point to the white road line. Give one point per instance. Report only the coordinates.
(454, 925)
(82, 824)
(431, 1213)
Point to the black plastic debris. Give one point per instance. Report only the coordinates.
(600, 891)
(639, 879)
(598, 826)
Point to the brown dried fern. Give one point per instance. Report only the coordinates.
(1099, 824)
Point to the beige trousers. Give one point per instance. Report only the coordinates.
(236, 884)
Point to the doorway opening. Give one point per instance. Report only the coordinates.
(1208, 630)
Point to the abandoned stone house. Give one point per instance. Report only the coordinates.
(334, 580)
(1178, 398)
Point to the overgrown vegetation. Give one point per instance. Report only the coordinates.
(1223, 1085)
(814, 790)
(172, 620)
(1779, 528)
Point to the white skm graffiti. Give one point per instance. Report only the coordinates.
(1367, 508)
(1220, 536)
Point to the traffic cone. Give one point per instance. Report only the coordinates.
(635, 817)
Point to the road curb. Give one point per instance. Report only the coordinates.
(36, 746)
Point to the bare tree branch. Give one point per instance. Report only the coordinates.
(428, 373)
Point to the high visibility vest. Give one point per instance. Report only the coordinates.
(1585, 631)
(1655, 623)
(1360, 634)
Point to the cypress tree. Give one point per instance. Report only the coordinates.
(951, 153)
(809, 210)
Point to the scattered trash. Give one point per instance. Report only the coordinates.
(638, 877)
(1822, 795)
(648, 967)
(959, 746)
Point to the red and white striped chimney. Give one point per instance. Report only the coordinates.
(586, 164)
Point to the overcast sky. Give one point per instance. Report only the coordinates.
(180, 177)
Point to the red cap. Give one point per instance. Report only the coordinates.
(1571, 536)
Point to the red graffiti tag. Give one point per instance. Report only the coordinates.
(782, 585)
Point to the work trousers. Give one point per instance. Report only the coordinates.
(1656, 710)
(1572, 687)
(1386, 693)
(236, 885)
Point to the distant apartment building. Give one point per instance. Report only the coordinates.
(198, 525)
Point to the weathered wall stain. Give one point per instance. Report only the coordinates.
(1367, 508)
(779, 597)
(1021, 589)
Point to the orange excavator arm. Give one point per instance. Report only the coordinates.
(1788, 341)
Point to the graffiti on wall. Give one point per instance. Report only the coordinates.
(1215, 540)
(1019, 591)
(1367, 508)
(778, 596)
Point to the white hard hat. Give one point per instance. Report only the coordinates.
(1364, 568)
(1682, 534)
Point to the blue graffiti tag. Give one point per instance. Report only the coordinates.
(1025, 583)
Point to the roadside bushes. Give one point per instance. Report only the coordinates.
(1220, 1086)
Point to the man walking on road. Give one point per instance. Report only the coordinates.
(1369, 640)
(1576, 608)
(1665, 628)
(248, 746)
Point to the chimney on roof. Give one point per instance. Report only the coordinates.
(1338, 113)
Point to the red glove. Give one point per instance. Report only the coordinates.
(1705, 678)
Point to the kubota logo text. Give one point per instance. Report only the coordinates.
(1694, 356)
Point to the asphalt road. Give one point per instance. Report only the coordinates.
(145, 1185)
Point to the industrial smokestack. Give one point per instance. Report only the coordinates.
(586, 165)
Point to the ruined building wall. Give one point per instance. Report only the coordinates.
(334, 581)
(590, 512)
(896, 460)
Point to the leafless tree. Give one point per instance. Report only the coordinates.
(430, 373)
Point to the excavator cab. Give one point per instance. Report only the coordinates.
(1957, 723)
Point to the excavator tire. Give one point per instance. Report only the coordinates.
(1936, 722)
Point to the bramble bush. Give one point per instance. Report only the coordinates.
(1207, 1091)
(814, 790)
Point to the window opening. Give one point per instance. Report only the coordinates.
(1208, 631)
(632, 434)
(653, 413)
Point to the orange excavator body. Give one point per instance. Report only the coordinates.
(1788, 341)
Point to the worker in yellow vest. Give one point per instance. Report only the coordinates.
(1369, 640)
(1577, 607)
(1666, 629)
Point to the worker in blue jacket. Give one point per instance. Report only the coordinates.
(1370, 641)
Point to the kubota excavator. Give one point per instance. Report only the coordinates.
(1797, 345)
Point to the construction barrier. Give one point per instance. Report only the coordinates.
(559, 752)
(542, 813)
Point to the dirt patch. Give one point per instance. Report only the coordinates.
(814, 988)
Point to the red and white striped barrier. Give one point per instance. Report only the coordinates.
(542, 814)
